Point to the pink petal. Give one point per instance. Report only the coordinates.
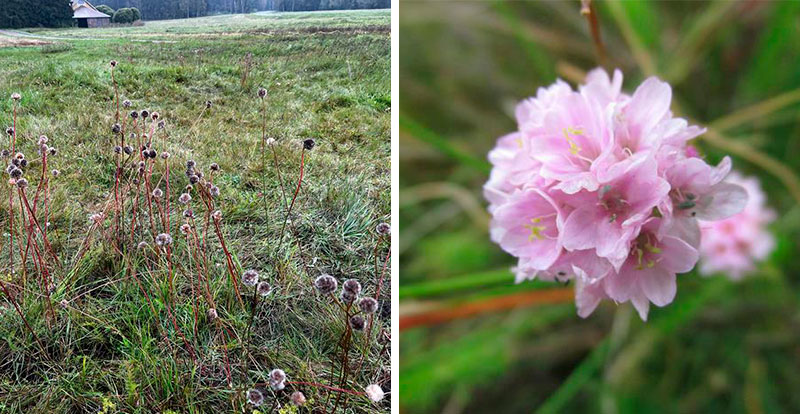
(658, 285)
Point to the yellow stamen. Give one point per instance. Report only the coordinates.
(536, 231)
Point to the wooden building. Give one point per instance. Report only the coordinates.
(87, 15)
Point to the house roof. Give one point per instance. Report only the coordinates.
(84, 9)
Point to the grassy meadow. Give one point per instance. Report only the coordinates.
(471, 340)
(114, 335)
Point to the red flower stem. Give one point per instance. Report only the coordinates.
(296, 191)
(229, 261)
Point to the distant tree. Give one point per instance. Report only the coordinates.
(105, 9)
(137, 15)
(124, 15)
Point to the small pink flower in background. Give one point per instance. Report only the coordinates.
(735, 244)
(601, 187)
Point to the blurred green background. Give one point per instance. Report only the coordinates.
(722, 346)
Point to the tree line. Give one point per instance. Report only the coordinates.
(176, 9)
(46, 13)
(58, 13)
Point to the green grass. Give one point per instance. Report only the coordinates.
(721, 346)
(328, 78)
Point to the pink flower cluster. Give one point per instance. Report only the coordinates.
(600, 187)
(734, 245)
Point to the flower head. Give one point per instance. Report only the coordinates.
(212, 314)
(250, 278)
(163, 240)
(368, 305)
(352, 285)
(255, 397)
(309, 144)
(357, 322)
(384, 229)
(298, 398)
(185, 198)
(16, 96)
(262, 93)
(325, 284)
(277, 379)
(600, 186)
(734, 245)
(374, 392)
(264, 288)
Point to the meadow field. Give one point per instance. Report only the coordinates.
(98, 318)
(473, 341)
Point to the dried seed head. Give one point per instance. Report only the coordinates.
(142, 245)
(161, 124)
(188, 213)
(126, 104)
(42, 140)
(117, 149)
(383, 229)
(116, 128)
(194, 179)
(357, 322)
(157, 193)
(262, 93)
(15, 173)
(374, 392)
(127, 149)
(326, 284)
(255, 397)
(97, 218)
(22, 183)
(53, 151)
(185, 198)
(145, 113)
(23, 163)
(352, 285)
(263, 288)
(163, 240)
(217, 215)
(113, 63)
(64, 304)
(309, 144)
(277, 379)
(55, 173)
(20, 156)
(214, 191)
(155, 116)
(10, 131)
(164, 155)
(134, 114)
(250, 278)
(6, 153)
(16, 96)
(208, 104)
(212, 314)
(368, 305)
(185, 229)
(298, 398)
(214, 167)
(190, 164)
(152, 153)
(270, 141)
